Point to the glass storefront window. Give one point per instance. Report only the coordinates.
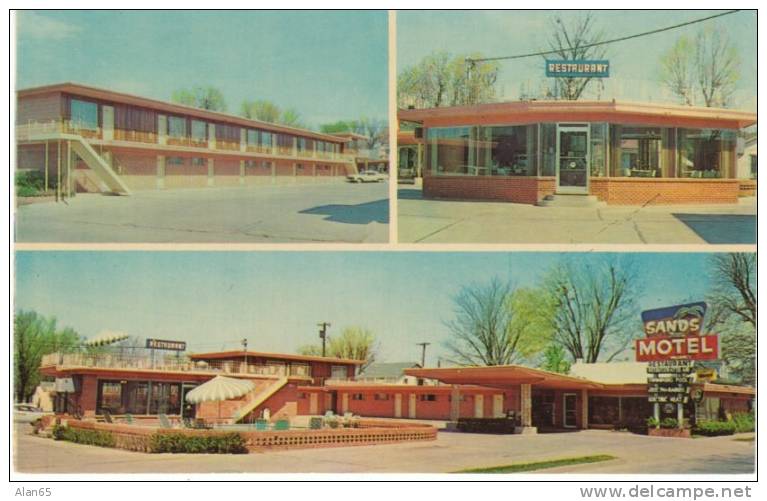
(84, 114)
(139, 397)
(548, 149)
(599, 142)
(706, 153)
(110, 397)
(449, 150)
(165, 399)
(137, 393)
(640, 151)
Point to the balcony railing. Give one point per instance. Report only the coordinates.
(170, 363)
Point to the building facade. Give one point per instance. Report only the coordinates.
(620, 153)
(88, 139)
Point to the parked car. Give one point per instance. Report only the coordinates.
(367, 176)
(27, 413)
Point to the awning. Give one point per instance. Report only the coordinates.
(504, 376)
(106, 338)
(218, 389)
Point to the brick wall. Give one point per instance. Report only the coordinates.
(226, 167)
(638, 191)
(526, 190)
(747, 188)
(40, 108)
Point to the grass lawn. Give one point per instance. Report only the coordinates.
(540, 465)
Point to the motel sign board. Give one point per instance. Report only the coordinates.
(163, 344)
(659, 348)
(578, 68)
(679, 320)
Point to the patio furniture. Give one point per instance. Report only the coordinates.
(107, 416)
(129, 419)
(315, 423)
(262, 424)
(281, 425)
(164, 421)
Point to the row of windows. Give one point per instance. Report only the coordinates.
(425, 397)
(85, 115)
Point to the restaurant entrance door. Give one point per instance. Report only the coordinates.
(573, 158)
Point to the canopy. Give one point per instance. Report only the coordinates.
(219, 388)
(106, 337)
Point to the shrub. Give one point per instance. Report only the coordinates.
(744, 422)
(175, 443)
(652, 422)
(30, 183)
(714, 428)
(86, 437)
(669, 423)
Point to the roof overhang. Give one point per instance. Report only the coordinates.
(586, 111)
(504, 376)
(163, 106)
(728, 388)
(224, 355)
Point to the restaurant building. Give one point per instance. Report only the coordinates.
(89, 139)
(621, 153)
(591, 396)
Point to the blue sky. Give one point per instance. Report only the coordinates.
(214, 299)
(634, 63)
(329, 66)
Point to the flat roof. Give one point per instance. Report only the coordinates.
(217, 355)
(562, 111)
(121, 97)
(503, 376)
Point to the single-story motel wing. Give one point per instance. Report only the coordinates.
(623, 153)
(602, 395)
(83, 138)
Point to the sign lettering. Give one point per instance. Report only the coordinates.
(578, 68)
(693, 348)
(163, 344)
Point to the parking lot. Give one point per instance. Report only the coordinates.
(449, 453)
(335, 211)
(448, 221)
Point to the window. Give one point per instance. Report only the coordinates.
(599, 140)
(428, 397)
(266, 164)
(382, 396)
(165, 398)
(338, 372)
(199, 162)
(199, 131)
(170, 161)
(706, 153)
(176, 126)
(251, 137)
(753, 166)
(267, 139)
(110, 397)
(640, 151)
(358, 396)
(84, 114)
(250, 164)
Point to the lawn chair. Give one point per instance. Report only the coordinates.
(315, 423)
(107, 416)
(262, 425)
(281, 425)
(164, 421)
(129, 419)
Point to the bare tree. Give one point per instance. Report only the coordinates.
(354, 343)
(490, 326)
(204, 97)
(570, 41)
(704, 69)
(734, 288)
(594, 306)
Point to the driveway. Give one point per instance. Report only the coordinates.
(450, 452)
(443, 221)
(329, 212)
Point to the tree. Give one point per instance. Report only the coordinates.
(354, 343)
(267, 111)
(291, 118)
(593, 308)
(375, 130)
(492, 325)
(732, 311)
(35, 336)
(204, 97)
(440, 79)
(704, 69)
(570, 41)
(555, 359)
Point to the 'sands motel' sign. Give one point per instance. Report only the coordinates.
(658, 348)
(578, 68)
(679, 320)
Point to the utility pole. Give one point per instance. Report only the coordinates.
(245, 349)
(423, 353)
(323, 334)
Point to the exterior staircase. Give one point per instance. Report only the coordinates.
(259, 399)
(560, 200)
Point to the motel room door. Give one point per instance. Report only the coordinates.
(573, 158)
(569, 410)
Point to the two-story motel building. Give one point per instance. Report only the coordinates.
(91, 139)
(591, 396)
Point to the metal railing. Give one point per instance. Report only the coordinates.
(163, 362)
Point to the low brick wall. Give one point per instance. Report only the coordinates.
(649, 191)
(522, 189)
(369, 432)
(747, 188)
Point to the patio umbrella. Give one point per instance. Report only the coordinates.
(218, 389)
(105, 338)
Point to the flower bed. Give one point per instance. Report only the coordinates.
(152, 439)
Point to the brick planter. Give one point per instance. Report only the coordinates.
(669, 432)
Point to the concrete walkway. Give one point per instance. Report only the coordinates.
(450, 452)
(324, 212)
(443, 221)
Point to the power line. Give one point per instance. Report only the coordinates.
(605, 42)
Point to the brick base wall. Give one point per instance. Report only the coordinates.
(747, 188)
(639, 191)
(526, 190)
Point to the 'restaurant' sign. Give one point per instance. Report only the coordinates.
(163, 344)
(665, 347)
(578, 68)
(679, 320)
